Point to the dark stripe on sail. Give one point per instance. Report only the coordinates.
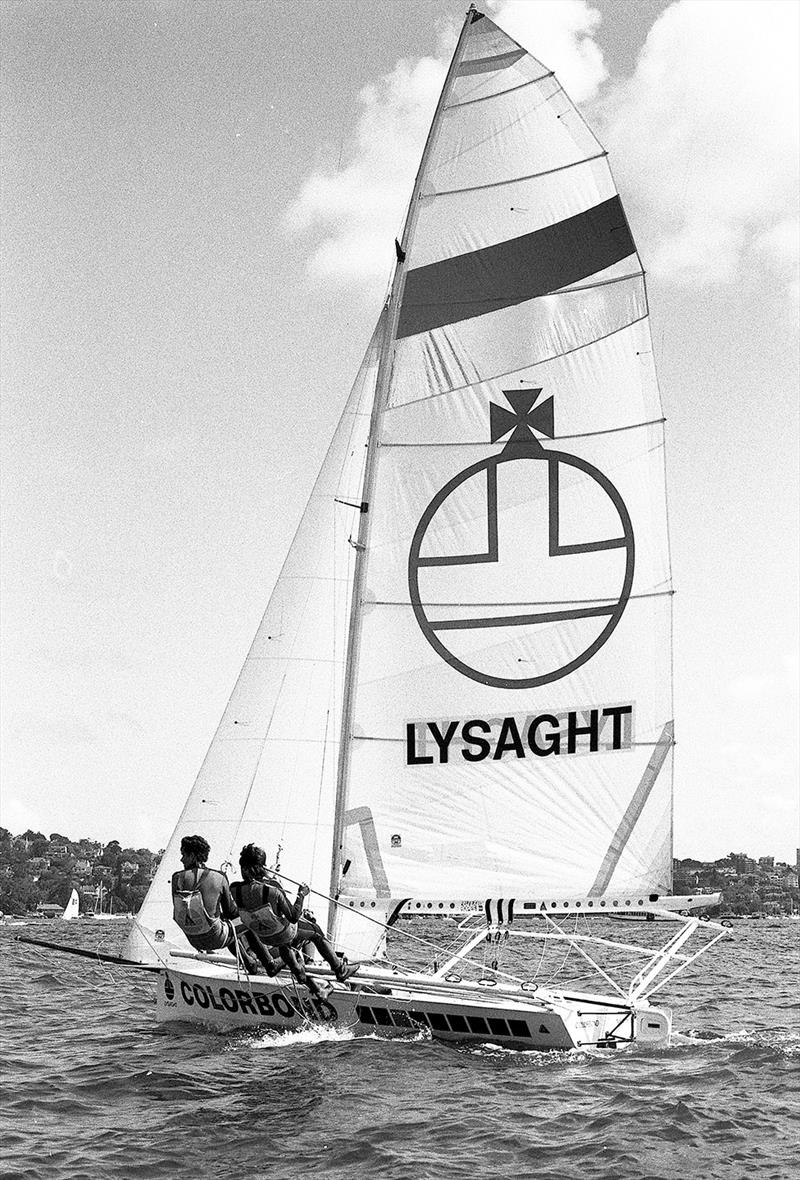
(483, 65)
(511, 272)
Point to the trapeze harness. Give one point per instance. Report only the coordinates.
(190, 913)
(258, 915)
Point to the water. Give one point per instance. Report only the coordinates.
(93, 1088)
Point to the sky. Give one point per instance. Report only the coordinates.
(199, 202)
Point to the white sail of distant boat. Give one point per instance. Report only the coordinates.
(459, 699)
(73, 907)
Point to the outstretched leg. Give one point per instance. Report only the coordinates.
(254, 943)
(311, 932)
(239, 950)
(297, 967)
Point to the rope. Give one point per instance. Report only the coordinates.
(304, 1017)
(432, 946)
(555, 974)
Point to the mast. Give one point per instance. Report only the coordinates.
(381, 391)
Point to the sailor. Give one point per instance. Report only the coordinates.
(266, 911)
(204, 909)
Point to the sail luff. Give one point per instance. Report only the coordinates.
(381, 392)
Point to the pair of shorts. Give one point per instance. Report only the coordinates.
(307, 931)
(216, 939)
(285, 938)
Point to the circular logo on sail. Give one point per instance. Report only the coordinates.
(522, 564)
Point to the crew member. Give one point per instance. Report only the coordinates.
(204, 909)
(266, 911)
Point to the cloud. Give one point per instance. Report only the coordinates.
(704, 140)
(354, 213)
(779, 247)
(358, 210)
(559, 34)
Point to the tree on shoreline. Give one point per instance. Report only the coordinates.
(35, 869)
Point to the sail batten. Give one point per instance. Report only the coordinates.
(556, 437)
(454, 192)
(487, 97)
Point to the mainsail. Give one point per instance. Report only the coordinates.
(510, 729)
(461, 688)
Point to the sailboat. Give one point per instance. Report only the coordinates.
(458, 702)
(73, 907)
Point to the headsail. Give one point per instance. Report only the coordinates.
(269, 775)
(510, 730)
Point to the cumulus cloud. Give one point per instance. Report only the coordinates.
(779, 247)
(353, 213)
(703, 139)
(560, 34)
(356, 211)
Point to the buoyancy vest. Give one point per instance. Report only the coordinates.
(257, 914)
(189, 910)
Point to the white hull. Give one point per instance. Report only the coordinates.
(388, 1005)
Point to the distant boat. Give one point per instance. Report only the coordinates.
(73, 907)
(459, 699)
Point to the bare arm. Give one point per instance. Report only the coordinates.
(281, 904)
(227, 906)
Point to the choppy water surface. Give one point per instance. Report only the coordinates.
(93, 1087)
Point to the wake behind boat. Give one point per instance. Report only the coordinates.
(458, 702)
